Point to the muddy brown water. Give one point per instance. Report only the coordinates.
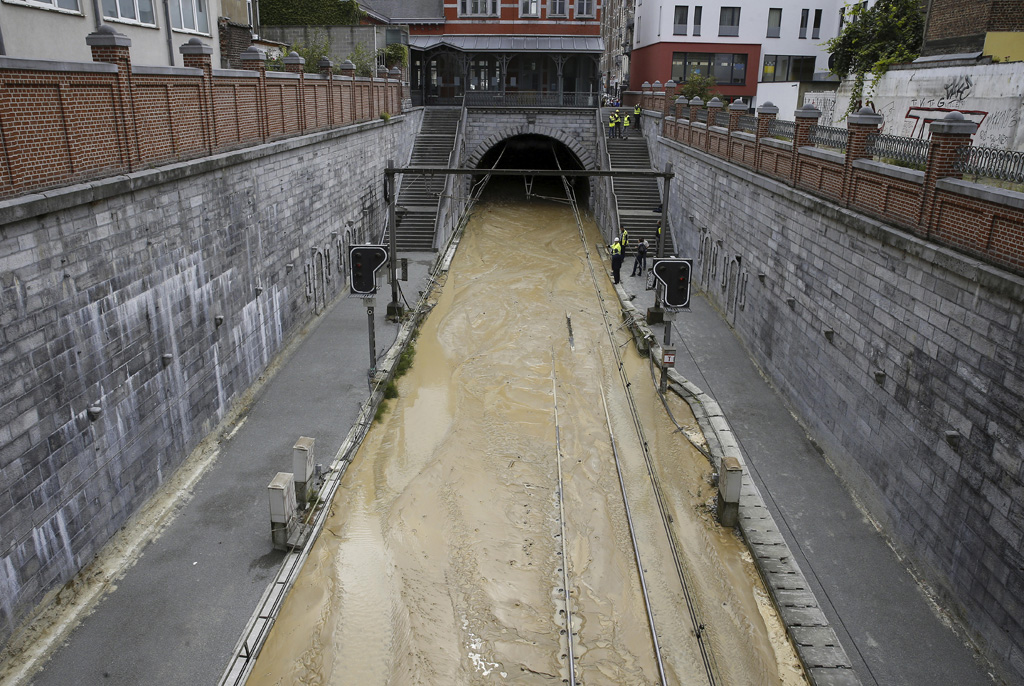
(441, 559)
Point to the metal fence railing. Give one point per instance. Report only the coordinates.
(530, 99)
(990, 163)
(829, 137)
(721, 119)
(780, 128)
(702, 116)
(907, 152)
(748, 123)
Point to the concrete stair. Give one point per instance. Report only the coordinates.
(637, 198)
(419, 196)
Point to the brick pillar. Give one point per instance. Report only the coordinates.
(948, 134)
(677, 111)
(112, 47)
(324, 68)
(806, 117)
(766, 114)
(858, 126)
(714, 107)
(395, 89)
(255, 60)
(348, 77)
(381, 102)
(736, 110)
(197, 55)
(294, 63)
(695, 106)
(645, 95)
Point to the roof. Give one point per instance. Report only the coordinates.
(406, 11)
(500, 43)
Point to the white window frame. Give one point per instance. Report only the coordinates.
(49, 5)
(129, 20)
(529, 8)
(563, 10)
(196, 4)
(478, 8)
(586, 8)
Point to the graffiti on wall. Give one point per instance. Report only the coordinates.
(824, 101)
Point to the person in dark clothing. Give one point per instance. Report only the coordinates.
(637, 113)
(617, 258)
(640, 261)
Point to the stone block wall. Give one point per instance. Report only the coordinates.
(574, 128)
(905, 359)
(134, 311)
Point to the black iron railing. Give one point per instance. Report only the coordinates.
(780, 128)
(906, 152)
(990, 163)
(530, 99)
(748, 123)
(829, 137)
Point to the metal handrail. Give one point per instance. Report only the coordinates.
(531, 99)
(829, 137)
(702, 115)
(911, 152)
(992, 163)
(721, 119)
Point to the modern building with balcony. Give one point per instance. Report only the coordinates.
(754, 50)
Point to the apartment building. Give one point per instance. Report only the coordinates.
(759, 51)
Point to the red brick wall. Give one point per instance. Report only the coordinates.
(62, 127)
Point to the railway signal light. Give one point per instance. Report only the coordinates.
(365, 260)
(674, 274)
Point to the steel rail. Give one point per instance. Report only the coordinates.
(561, 528)
(699, 626)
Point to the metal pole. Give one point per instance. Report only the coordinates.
(668, 339)
(394, 309)
(658, 293)
(373, 341)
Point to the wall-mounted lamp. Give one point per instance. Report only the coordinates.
(94, 412)
(953, 439)
(829, 334)
(166, 359)
(791, 302)
(879, 377)
(761, 276)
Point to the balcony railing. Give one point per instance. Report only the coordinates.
(530, 99)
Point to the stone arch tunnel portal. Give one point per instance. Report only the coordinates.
(533, 151)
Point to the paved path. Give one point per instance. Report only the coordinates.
(883, 619)
(176, 615)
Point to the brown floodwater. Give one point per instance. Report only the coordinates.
(441, 561)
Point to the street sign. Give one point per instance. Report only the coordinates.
(365, 261)
(674, 275)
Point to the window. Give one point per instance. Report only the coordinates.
(681, 20)
(816, 31)
(774, 22)
(803, 23)
(787, 68)
(727, 68)
(60, 5)
(254, 19)
(584, 8)
(133, 11)
(480, 8)
(697, 11)
(729, 23)
(187, 15)
(555, 7)
(529, 8)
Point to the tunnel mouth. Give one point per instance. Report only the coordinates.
(534, 152)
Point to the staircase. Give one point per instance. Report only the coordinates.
(638, 198)
(419, 196)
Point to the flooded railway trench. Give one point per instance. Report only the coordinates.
(441, 560)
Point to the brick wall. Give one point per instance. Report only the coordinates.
(234, 39)
(64, 123)
(923, 351)
(977, 220)
(156, 298)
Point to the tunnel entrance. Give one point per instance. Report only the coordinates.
(533, 151)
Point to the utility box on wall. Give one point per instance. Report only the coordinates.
(303, 467)
(730, 482)
(281, 492)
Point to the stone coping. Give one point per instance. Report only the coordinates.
(777, 143)
(151, 70)
(1002, 196)
(57, 65)
(745, 135)
(237, 73)
(823, 154)
(893, 170)
(282, 75)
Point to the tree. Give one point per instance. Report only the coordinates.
(364, 59)
(873, 39)
(699, 86)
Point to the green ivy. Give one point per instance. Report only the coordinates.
(873, 39)
(310, 13)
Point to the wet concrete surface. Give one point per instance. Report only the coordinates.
(441, 559)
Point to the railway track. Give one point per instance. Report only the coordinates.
(699, 630)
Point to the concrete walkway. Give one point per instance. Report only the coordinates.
(889, 628)
(176, 615)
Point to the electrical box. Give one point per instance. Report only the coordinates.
(281, 492)
(303, 466)
(730, 482)
(668, 357)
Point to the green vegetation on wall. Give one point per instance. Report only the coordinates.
(310, 13)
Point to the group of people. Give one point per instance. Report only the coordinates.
(619, 123)
(619, 248)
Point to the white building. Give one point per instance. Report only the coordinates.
(759, 51)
